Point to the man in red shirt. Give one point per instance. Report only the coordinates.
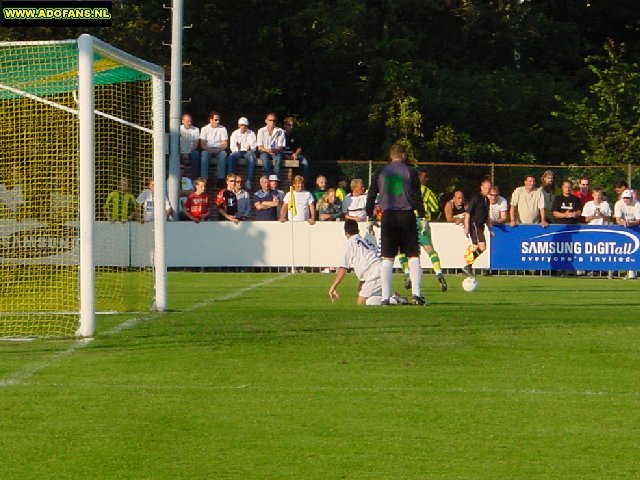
(583, 192)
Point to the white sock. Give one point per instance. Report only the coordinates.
(386, 277)
(415, 272)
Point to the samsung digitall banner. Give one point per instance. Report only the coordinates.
(565, 247)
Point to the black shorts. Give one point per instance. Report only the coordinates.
(399, 233)
(476, 232)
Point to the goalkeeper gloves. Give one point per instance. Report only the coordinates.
(370, 224)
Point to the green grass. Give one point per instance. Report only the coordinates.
(527, 378)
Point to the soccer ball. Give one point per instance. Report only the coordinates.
(470, 284)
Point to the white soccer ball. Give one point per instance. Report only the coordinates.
(470, 284)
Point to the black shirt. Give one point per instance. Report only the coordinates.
(226, 200)
(478, 209)
(563, 204)
(291, 143)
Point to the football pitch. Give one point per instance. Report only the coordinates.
(259, 376)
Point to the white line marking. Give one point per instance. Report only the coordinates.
(26, 372)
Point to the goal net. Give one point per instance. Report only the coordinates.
(81, 136)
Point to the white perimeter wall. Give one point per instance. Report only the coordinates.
(220, 244)
(284, 244)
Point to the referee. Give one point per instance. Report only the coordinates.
(398, 187)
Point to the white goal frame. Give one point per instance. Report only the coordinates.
(87, 45)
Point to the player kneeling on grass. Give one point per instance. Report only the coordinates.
(362, 255)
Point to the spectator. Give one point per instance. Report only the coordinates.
(266, 201)
(186, 187)
(11, 197)
(145, 200)
(354, 204)
(547, 188)
(189, 143)
(243, 145)
(342, 188)
(566, 206)
(597, 211)
(292, 149)
(121, 204)
(244, 200)
(619, 187)
(305, 210)
(274, 183)
(498, 207)
(63, 201)
(214, 141)
(583, 192)
(527, 204)
(227, 202)
(329, 207)
(270, 144)
(196, 208)
(626, 211)
(454, 208)
(321, 187)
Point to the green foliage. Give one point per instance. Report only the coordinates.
(360, 74)
(448, 145)
(609, 116)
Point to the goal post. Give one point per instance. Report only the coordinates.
(81, 137)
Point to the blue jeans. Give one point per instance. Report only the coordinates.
(194, 160)
(221, 164)
(266, 163)
(232, 162)
(304, 165)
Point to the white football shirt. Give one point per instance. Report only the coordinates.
(361, 255)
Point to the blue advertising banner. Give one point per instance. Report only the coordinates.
(565, 247)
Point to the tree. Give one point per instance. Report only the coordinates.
(609, 116)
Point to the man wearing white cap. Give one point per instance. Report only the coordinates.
(274, 183)
(243, 145)
(627, 214)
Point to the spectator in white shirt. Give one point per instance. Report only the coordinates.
(189, 142)
(271, 141)
(498, 207)
(354, 204)
(243, 145)
(214, 141)
(597, 211)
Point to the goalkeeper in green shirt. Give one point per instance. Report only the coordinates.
(424, 234)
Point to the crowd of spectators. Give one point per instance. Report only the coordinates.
(271, 144)
(528, 203)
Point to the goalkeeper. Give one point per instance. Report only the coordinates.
(399, 190)
(424, 234)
